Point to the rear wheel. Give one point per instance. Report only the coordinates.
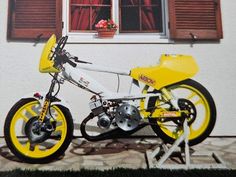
(198, 101)
(53, 145)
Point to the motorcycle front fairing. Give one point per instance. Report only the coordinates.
(172, 69)
(46, 64)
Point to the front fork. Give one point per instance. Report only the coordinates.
(48, 100)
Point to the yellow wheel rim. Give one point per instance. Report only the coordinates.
(202, 120)
(21, 142)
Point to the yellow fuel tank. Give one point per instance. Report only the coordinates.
(172, 69)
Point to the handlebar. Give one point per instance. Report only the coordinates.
(70, 62)
(65, 57)
(76, 59)
(80, 61)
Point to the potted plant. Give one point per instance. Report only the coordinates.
(106, 28)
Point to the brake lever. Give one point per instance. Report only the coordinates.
(67, 60)
(76, 59)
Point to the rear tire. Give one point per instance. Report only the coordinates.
(19, 144)
(205, 100)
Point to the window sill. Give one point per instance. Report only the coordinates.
(119, 39)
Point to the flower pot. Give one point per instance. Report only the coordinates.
(106, 33)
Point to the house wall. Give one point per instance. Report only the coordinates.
(19, 68)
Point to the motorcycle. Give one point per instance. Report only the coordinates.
(39, 128)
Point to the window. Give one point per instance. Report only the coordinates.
(84, 14)
(134, 16)
(141, 16)
(143, 20)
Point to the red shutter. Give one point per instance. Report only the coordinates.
(195, 18)
(29, 19)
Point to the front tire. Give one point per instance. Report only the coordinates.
(44, 152)
(205, 120)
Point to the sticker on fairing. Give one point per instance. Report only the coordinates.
(147, 80)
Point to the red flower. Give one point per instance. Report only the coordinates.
(106, 24)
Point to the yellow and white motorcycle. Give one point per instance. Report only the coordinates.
(39, 128)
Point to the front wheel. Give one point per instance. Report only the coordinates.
(51, 146)
(199, 101)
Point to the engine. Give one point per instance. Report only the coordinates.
(125, 116)
(104, 121)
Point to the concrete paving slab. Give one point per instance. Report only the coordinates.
(110, 154)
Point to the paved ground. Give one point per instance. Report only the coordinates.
(126, 153)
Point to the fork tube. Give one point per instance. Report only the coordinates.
(47, 101)
(53, 83)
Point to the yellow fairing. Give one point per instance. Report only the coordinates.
(172, 69)
(46, 65)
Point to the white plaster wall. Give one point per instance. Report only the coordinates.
(19, 68)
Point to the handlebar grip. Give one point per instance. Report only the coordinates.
(71, 62)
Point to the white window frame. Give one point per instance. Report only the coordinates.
(79, 37)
